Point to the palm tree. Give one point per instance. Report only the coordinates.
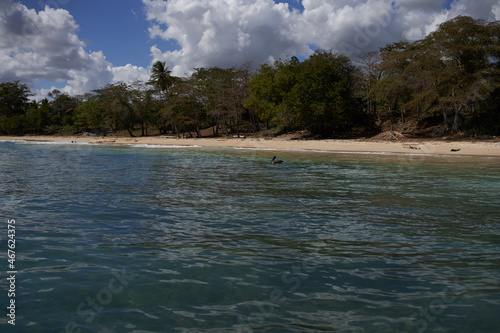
(160, 77)
(162, 80)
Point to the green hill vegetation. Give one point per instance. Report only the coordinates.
(448, 82)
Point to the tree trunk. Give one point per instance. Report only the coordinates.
(391, 118)
(445, 119)
(237, 125)
(457, 121)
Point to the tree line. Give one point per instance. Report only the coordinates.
(450, 78)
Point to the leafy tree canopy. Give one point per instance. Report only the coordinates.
(316, 94)
(451, 71)
(14, 98)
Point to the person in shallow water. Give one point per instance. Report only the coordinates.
(275, 161)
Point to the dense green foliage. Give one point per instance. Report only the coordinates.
(452, 74)
(316, 94)
(14, 99)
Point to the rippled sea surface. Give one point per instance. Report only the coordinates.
(170, 239)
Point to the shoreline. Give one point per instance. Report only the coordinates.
(424, 147)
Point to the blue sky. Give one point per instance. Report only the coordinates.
(77, 46)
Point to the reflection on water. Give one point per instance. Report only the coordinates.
(219, 240)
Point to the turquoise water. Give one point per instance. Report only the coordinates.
(171, 239)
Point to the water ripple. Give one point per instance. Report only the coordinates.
(129, 239)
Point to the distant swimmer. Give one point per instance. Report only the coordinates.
(275, 161)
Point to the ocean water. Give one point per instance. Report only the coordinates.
(172, 239)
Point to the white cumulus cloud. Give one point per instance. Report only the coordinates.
(496, 11)
(420, 21)
(351, 27)
(38, 45)
(45, 45)
(231, 32)
(130, 73)
(224, 32)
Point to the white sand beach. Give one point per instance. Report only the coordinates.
(462, 148)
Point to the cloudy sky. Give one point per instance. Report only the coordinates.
(77, 46)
